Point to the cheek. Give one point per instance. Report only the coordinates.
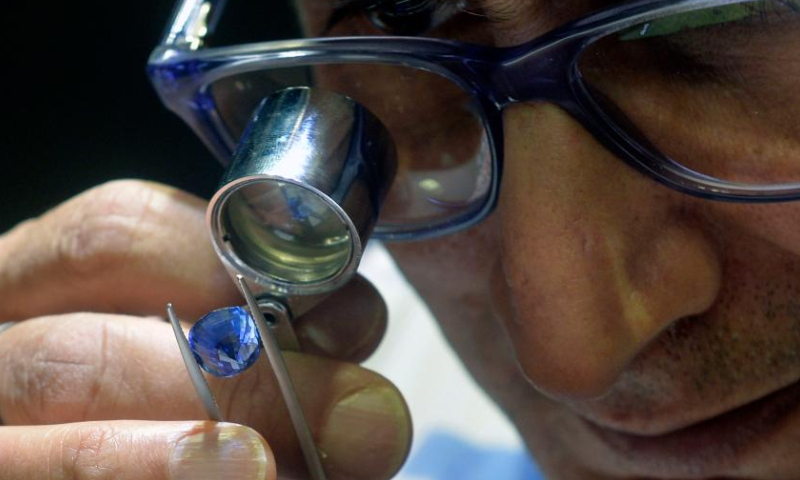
(457, 277)
(775, 225)
(453, 273)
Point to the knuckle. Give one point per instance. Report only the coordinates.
(61, 381)
(101, 225)
(88, 452)
(69, 370)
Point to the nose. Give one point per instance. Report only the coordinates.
(597, 259)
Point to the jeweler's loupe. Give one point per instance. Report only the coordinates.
(294, 210)
(302, 193)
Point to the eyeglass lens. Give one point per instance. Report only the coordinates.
(443, 153)
(283, 229)
(715, 89)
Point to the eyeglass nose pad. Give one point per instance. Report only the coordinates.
(300, 198)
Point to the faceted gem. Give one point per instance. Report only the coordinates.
(225, 342)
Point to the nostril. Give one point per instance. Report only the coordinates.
(679, 275)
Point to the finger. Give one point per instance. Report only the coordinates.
(348, 325)
(83, 367)
(130, 246)
(125, 246)
(126, 450)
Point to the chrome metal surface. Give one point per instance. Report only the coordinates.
(281, 325)
(195, 374)
(299, 200)
(270, 345)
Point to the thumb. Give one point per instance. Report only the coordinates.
(127, 450)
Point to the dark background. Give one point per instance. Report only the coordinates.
(78, 109)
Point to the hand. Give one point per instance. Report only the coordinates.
(92, 384)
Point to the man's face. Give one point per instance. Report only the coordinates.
(629, 330)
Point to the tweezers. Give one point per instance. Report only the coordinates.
(270, 345)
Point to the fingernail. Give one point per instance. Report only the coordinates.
(228, 451)
(367, 434)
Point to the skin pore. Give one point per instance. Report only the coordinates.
(628, 330)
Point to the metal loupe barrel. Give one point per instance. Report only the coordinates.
(302, 193)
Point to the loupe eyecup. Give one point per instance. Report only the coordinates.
(302, 193)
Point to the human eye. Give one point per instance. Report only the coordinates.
(708, 44)
(398, 17)
(722, 37)
(246, 21)
(391, 17)
(742, 13)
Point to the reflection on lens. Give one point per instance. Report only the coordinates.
(437, 128)
(286, 232)
(714, 89)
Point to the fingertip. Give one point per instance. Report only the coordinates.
(222, 450)
(367, 434)
(128, 450)
(348, 325)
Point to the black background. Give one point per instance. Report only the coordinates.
(78, 109)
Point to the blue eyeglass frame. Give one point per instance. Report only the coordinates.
(544, 69)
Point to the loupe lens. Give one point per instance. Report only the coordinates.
(286, 230)
(302, 193)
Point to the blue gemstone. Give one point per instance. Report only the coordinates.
(225, 342)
